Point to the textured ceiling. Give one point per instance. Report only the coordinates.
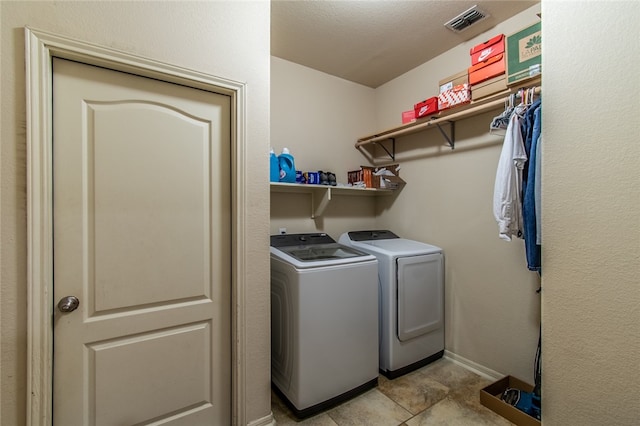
(372, 42)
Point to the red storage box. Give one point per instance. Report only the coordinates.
(408, 116)
(427, 107)
(460, 94)
(485, 70)
(488, 49)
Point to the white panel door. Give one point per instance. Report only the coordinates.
(141, 196)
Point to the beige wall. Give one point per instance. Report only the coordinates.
(591, 211)
(226, 39)
(591, 205)
(591, 240)
(492, 310)
(319, 117)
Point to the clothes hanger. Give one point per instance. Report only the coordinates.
(499, 123)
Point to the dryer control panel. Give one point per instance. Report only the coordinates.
(371, 235)
(287, 240)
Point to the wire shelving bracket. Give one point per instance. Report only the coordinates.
(391, 154)
(451, 138)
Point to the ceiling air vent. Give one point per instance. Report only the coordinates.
(466, 19)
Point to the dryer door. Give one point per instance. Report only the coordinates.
(420, 307)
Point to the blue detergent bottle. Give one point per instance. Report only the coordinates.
(274, 167)
(287, 167)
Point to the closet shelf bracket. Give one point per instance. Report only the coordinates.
(451, 139)
(391, 154)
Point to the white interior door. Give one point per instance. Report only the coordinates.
(141, 219)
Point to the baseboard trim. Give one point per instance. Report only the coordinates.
(265, 421)
(481, 370)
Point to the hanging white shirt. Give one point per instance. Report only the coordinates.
(507, 193)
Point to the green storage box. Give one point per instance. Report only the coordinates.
(524, 54)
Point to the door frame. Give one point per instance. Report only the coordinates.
(41, 48)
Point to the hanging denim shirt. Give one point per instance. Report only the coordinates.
(533, 250)
(537, 190)
(527, 128)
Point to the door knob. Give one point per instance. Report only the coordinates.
(68, 304)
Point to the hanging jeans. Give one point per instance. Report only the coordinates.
(533, 250)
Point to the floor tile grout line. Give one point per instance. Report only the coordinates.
(462, 391)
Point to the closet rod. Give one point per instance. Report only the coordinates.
(468, 112)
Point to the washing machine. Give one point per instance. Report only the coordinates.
(324, 321)
(411, 275)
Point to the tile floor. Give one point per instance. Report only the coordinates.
(442, 393)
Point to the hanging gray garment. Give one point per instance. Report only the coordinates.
(507, 193)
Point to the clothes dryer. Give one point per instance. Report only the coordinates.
(411, 281)
(324, 321)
